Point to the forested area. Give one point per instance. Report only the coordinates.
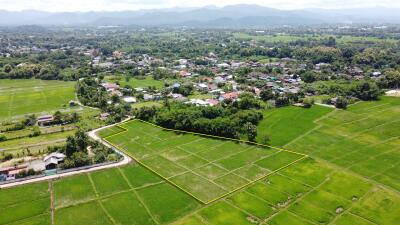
(228, 121)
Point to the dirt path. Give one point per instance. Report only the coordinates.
(51, 201)
(34, 145)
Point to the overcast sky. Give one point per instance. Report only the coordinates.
(118, 5)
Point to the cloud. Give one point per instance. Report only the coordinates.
(108, 5)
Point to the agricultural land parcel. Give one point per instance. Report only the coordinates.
(19, 143)
(365, 139)
(307, 192)
(291, 38)
(19, 97)
(30, 96)
(206, 168)
(127, 195)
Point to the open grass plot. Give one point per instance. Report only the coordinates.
(18, 97)
(141, 82)
(204, 167)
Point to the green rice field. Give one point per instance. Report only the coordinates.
(308, 192)
(206, 168)
(127, 195)
(349, 178)
(282, 125)
(19, 97)
(364, 139)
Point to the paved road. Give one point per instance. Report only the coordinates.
(126, 159)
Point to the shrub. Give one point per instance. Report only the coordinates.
(3, 138)
(308, 102)
(341, 103)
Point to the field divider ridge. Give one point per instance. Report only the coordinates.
(98, 200)
(219, 137)
(256, 180)
(138, 196)
(199, 134)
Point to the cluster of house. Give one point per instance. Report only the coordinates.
(49, 162)
(353, 72)
(120, 58)
(115, 89)
(223, 76)
(25, 49)
(282, 82)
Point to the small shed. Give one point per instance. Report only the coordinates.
(45, 120)
(51, 161)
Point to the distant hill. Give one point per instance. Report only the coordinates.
(229, 16)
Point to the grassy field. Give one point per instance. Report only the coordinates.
(206, 168)
(144, 82)
(18, 97)
(147, 104)
(200, 96)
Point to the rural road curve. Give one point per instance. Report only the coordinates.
(126, 159)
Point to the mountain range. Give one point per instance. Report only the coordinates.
(210, 16)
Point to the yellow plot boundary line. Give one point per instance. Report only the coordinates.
(207, 135)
